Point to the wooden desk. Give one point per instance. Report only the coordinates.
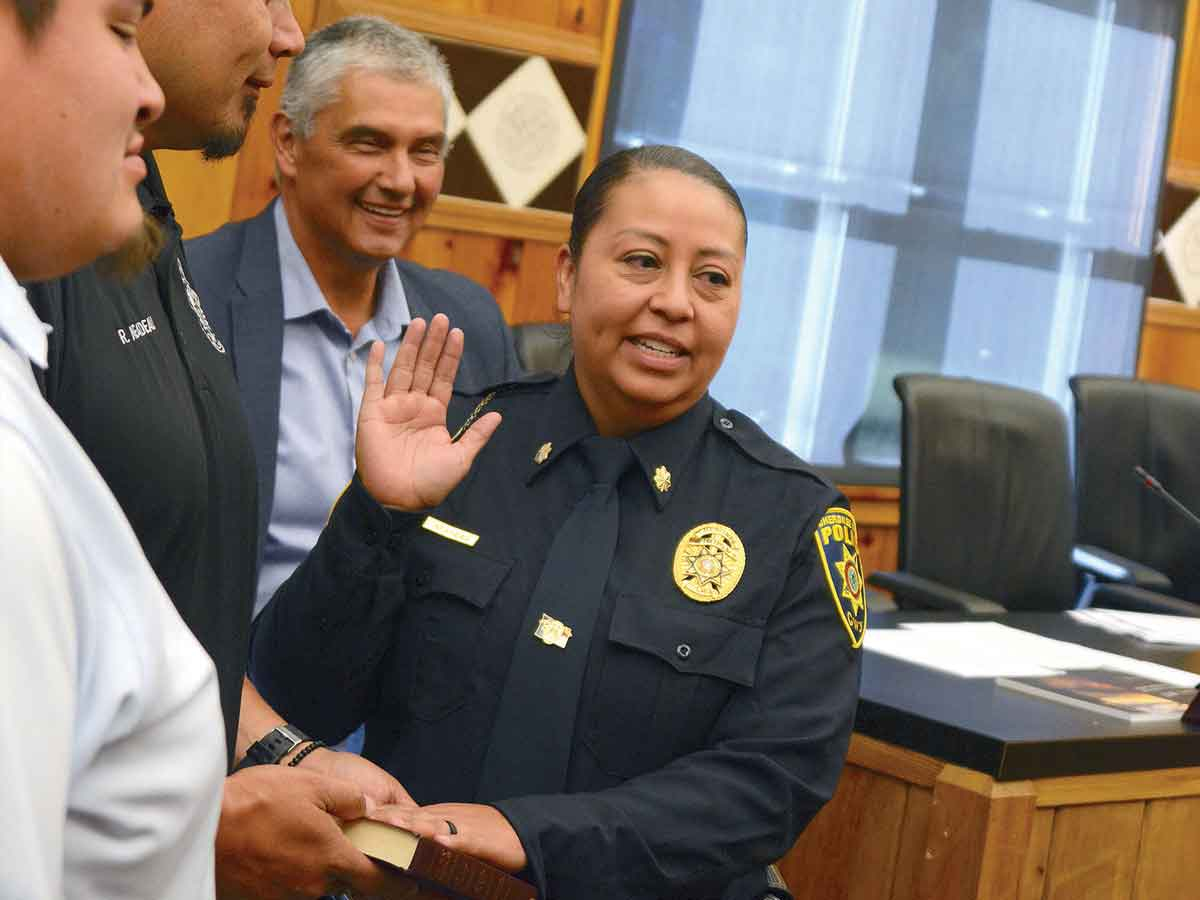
(955, 789)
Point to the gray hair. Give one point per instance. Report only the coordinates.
(360, 43)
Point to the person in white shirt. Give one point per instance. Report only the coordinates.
(111, 750)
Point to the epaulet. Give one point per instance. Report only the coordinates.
(759, 445)
(538, 382)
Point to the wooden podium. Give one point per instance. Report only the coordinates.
(956, 790)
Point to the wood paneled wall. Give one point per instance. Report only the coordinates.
(1183, 158)
(1170, 348)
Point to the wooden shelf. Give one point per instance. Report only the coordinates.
(483, 217)
(1171, 313)
(484, 29)
(1184, 174)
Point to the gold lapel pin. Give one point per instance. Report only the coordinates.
(543, 453)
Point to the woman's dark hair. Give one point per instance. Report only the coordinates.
(614, 170)
(33, 14)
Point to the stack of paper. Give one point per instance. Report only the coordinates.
(992, 650)
(1150, 627)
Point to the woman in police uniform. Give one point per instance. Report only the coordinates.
(607, 637)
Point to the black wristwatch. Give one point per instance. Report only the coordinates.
(273, 746)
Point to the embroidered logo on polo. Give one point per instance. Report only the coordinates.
(194, 303)
(837, 545)
(709, 562)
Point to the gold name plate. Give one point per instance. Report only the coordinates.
(450, 532)
(552, 632)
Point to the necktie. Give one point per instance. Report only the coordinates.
(531, 741)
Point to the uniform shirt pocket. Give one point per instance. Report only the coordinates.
(666, 672)
(450, 588)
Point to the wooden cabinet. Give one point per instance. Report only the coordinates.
(1170, 347)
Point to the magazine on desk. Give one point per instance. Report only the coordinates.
(1124, 695)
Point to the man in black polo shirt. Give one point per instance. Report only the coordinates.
(140, 378)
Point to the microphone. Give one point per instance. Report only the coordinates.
(1153, 484)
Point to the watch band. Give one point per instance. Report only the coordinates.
(273, 746)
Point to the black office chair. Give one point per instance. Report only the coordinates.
(543, 346)
(1121, 423)
(985, 499)
(986, 511)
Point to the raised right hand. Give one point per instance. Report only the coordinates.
(404, 453)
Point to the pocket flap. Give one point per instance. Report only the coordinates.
(440, 566)
(689, 641)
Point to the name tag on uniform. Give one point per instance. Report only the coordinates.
(552, 632)
(450, 532)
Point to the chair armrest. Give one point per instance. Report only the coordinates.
(1126, 596)
(1109, 566)
(914, 591)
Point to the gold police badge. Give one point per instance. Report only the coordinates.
(709, 562)
(837, 545)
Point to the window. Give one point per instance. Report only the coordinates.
(964, 186)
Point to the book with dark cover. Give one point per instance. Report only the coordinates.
(1135, 698)
(447, 872)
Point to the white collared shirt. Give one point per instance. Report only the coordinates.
(111, 748)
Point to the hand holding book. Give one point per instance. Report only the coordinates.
(419, 843)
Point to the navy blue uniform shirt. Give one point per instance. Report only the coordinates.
(689, 767)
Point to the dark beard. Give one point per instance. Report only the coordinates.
(136, 253)
(226, 143)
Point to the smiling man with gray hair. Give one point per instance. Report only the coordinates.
(300, 291)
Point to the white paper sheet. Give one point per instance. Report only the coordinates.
(1150, 627)
(993, 650)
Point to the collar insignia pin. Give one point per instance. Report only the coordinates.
(662, 479)
(543, 453)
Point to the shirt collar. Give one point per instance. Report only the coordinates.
(662, 453)
(302, 295)
(152, 193)
(19, 325)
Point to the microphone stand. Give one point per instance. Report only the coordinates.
(1191, 715)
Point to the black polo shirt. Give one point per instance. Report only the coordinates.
(148, 390)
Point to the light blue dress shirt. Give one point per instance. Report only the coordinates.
(324, 369)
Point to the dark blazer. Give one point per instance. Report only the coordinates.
(236, 270)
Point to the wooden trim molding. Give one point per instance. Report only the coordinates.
(483, 29)
(887, 759)
(484, 217)
(595, 122)
(1184, 174)
(1171, 314)
(1117, 788)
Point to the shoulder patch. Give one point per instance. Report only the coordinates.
(837, 546)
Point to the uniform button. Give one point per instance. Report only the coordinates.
(683, 651)
(726, 423)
